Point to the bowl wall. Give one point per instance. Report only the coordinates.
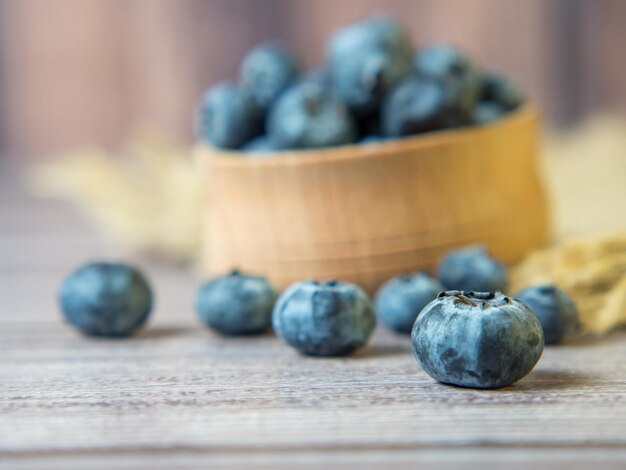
(366, 213)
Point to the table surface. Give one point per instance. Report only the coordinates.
(179, 396)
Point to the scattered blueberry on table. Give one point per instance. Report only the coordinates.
(236, 304)
(106, 299)
(554, 308)
(477, 340)
(400, 300)
(472, 269)
(329, 318)
(372, 84)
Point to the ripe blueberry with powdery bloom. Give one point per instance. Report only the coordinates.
(477, 340)
(366, 60)
(106, 299)
(401, 299)
(227, 117)
(555, 310)
(267, 71)
(458, 76)
(416, 105)
(472, 269)
(236, 304)
(324, 318)
(309, 116)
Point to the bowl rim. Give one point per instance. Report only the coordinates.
(236, 158)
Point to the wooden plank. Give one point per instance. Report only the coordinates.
(178, 395)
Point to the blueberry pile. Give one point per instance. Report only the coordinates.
(464, 330)
(373, 86)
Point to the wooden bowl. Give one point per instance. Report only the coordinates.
(365, 213)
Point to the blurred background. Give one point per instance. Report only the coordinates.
(77, 72)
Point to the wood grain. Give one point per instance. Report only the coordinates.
(178, 396)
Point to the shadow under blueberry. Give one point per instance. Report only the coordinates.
(159, 332)
(382, 350)
(551, 380)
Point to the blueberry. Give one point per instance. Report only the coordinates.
(457, 74)
(106, 299)
(554, 309)
(371, 139)
(266, 71)
(227, 117)
(377, 31)
(308, 116)
(416, 105)
(362, 79)
(324, 319)
(487, 111)
(366, 60)
(472, 268)
(319, 75)
(478, 340)
(236, 304)
(259, 145)
(401, 299)
(500, 90)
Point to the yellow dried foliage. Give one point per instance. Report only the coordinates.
(147, 199)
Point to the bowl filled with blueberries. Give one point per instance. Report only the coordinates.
(376, 162)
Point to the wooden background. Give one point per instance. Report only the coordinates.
(76, 72)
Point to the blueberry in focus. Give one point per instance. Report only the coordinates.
(416, 105)
(458, 76)
(330, 318)
(477, 340)
(106, 299)
(236, 304)
(227, 117)
(472, 269)
(501, 91)
(309, 116)
(554, 308)
(401, 299)
(266, 71)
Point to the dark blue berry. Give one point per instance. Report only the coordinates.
(401, 299)
(416, 105)
(324, 318)
(236, 304)
(458, 76)
(260, 145)
(308, 116)
(500, 90)
(477, 340)
(227, 117)
(106, 299)
(377, 31)
(366, 60)
(487, 111)
(554, 308)
(267, 71)
(472, 269)
(362, 79)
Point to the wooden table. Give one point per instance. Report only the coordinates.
(179, 396)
